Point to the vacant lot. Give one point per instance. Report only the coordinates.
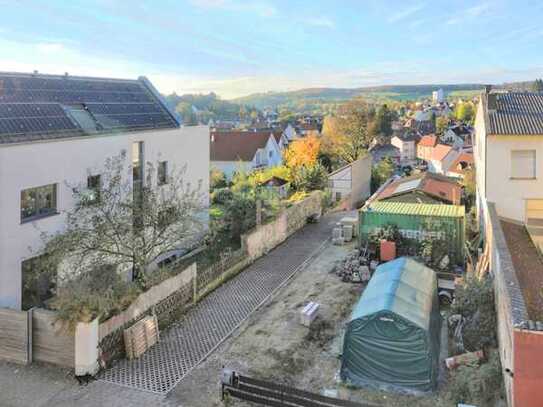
(273, 345)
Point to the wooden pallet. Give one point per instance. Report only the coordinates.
(141, 336)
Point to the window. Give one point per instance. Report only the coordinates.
(137, 161)
(38, 202)
(523, 164)
(162, 172)
(94, 184)
(271, 153)
(38, 283)
(338, 196)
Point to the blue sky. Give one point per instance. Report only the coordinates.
(237, 47)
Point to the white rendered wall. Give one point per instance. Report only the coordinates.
(59, 162)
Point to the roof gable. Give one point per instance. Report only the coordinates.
(237, 145)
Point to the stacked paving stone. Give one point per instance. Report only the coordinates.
(354, 268)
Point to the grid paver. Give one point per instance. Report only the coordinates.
(189, 341)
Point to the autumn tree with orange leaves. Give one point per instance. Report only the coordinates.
(302, 152)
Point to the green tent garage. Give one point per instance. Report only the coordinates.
(418, 221)
(393, 335)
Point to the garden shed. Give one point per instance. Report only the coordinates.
(416, 222)
(392, 338)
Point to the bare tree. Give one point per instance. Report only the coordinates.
(122, 226)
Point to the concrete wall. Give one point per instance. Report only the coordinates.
(501, 268)
(264, 238)
(148, 299)
(361, 180)
(69, 161)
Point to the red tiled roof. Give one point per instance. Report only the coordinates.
(435, 185)
(238, 145)
(463, 157)
(428, 141)
(440, 151)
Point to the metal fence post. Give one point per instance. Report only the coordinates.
(29, 335)
(195, 283)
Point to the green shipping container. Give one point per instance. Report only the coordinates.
(418, 221)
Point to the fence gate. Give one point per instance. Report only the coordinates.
(276, 395)
(15, 336)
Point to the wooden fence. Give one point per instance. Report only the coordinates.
(15, 341)
(34, 335)
(50, 342)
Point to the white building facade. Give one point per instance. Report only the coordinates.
(508, 156)
(37, 173)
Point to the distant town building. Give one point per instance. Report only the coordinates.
(406, 142)
(438, 96)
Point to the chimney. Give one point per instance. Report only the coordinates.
(212, 137)
(35, 72)
(492, 102)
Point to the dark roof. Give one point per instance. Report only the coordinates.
(528, 265)
(39, 107)
(237, 145)
(408, 135)
(516, 113)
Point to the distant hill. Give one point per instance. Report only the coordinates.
(203, 107)
(311, 96)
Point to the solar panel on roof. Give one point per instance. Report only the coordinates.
(42, 105)
(408, 186)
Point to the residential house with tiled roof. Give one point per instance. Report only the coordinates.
(406, 142)
(232, 151)
(463, 161)
(508, 151)
(57, 131)
(438, 159)
(425, 147)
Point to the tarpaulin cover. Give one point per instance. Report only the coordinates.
(393, 335)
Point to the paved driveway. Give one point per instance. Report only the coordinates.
(145, 382)
(205, 326)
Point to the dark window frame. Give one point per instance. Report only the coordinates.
(162, 173)
(95, 186)
(40, 209)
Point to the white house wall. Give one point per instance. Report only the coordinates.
(59, 162)
(510, 195)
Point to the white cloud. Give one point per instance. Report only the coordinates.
(469, 14)
(50, 47)
(405, 13)
(320, 22)
(258, 7)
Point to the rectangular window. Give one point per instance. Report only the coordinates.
(162, 172)
(94, 185)
(38, 202)
(137, 161)
(38, 282)
(523, 164)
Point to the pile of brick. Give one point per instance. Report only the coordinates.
(354, 268)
